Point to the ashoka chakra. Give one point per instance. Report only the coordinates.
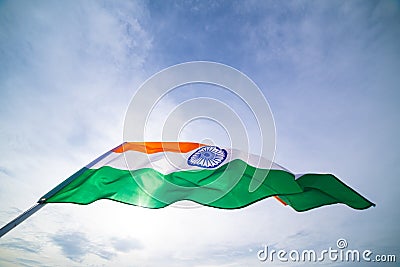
(207, 157)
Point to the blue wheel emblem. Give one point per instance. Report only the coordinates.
(207, 157)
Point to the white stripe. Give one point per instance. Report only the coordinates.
(94, 162)
(168, 162)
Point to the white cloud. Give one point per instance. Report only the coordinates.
(69, 69)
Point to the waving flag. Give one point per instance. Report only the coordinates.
(157, 174)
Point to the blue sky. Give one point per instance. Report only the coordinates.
(329, 71)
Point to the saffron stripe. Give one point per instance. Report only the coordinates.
(155, 147)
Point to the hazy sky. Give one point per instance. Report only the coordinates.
(329, 70)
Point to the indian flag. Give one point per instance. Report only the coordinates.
(157, 174)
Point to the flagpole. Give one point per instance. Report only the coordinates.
(9, 226)
(42, 201)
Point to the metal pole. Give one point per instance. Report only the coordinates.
(9, 226)
(42, 201)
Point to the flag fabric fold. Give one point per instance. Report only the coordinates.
(157, 174)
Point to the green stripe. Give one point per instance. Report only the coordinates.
(324, 189)
(226, 186)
